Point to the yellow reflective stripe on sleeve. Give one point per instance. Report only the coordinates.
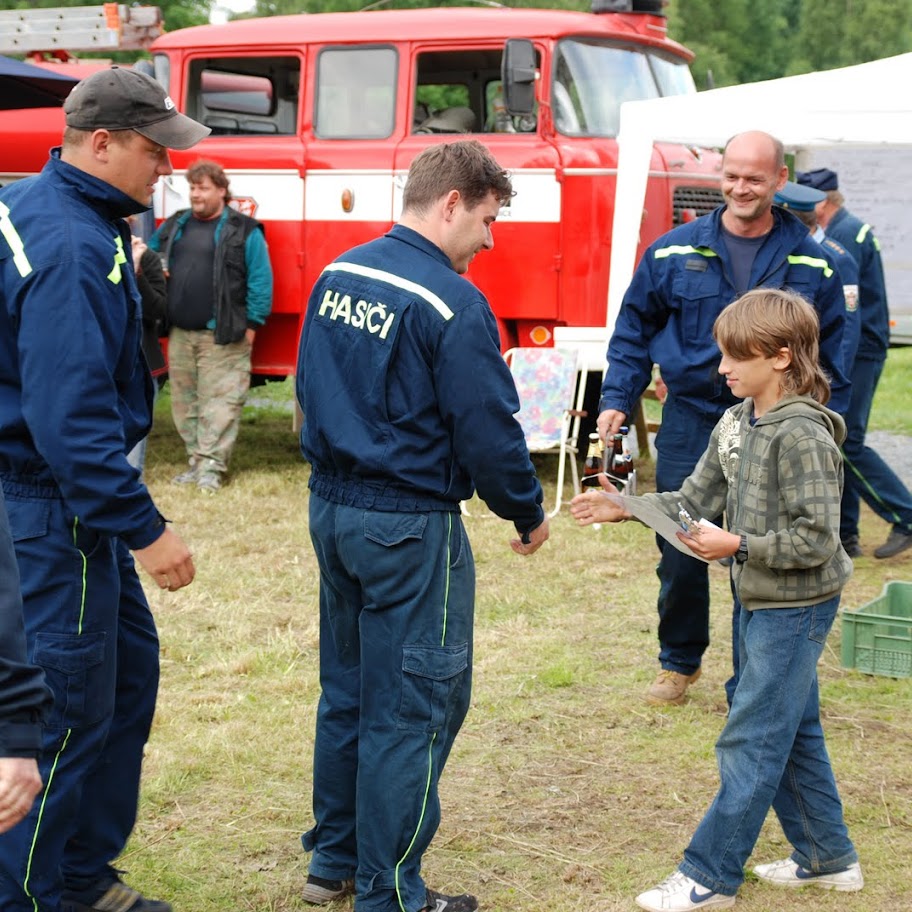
(813, 262)
(8, 230)
(120, 257)
(663, 252)
(865, 229)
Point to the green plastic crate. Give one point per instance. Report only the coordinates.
(877, 637)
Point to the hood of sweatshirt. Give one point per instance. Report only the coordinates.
(808, 407)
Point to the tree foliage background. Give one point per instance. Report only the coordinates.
(734, 40)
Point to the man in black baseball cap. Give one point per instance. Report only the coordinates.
(120, 99)
(76, 396)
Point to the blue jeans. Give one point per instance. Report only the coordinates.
(397, 595)
(867, 476)
(683, 581)
(771, 753)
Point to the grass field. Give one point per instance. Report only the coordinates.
(565, 791)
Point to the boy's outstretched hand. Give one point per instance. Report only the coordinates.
(711, 542)
(595, 507)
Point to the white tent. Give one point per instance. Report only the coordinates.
(866, 104)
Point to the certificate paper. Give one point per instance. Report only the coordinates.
(655, 519)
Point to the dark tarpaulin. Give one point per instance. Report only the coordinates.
(23, 85)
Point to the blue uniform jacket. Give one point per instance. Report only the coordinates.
(679, 288)
(75, 391)
(407, 400)
(863, 246)
(848, 272)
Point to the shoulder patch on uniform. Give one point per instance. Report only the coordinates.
(850, 293)
(835, 245)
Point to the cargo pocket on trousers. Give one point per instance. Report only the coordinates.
(390, 529)
(430, 676)
(81, 679)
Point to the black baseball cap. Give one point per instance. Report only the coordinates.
(124, 99)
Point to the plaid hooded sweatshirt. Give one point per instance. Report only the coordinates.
(780, 484)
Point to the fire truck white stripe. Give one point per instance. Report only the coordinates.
(282, 196)
(381, 275)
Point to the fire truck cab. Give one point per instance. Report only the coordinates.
(316, 119)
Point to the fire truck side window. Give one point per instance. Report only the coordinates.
(356, 93)
(460, 92)
(244, 96)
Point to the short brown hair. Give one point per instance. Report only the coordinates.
(203, 168)
(765, 320)
(465, 165)
(73, 137)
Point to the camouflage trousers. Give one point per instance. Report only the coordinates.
(209, 385)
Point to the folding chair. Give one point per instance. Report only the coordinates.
(551, 383)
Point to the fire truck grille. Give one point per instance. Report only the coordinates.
(700, 200)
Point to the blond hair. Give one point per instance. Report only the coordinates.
(764, 321)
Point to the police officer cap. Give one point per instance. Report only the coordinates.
(819, 178)
(801, 199)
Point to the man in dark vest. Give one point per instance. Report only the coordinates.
(219, 294)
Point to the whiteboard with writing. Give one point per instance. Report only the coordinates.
(876, 182)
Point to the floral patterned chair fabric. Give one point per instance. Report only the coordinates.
(550, 388)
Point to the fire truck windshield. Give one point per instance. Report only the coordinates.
(593, 78)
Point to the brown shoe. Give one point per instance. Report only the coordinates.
(670, 687)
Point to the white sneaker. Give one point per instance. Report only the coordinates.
(679, 893)
(788, 873)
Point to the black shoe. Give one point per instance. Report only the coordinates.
(438, 902)
(110, 896)
(852, 548)
(318, 891)
(897, 542)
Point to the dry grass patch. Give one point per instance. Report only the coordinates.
(565, 791)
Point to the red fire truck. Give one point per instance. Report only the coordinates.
(316, 119)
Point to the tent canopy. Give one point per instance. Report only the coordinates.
(864, 105)
(23, 85)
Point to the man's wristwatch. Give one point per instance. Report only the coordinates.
(741, 553)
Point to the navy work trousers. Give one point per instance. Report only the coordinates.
(397, 597)
(88, 625)
(867, 476)
(683, 581)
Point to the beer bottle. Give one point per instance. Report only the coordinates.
(618, 466)
(630, 471)
(593, 464)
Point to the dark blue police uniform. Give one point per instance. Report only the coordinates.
(868, 477)
(800, 199)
